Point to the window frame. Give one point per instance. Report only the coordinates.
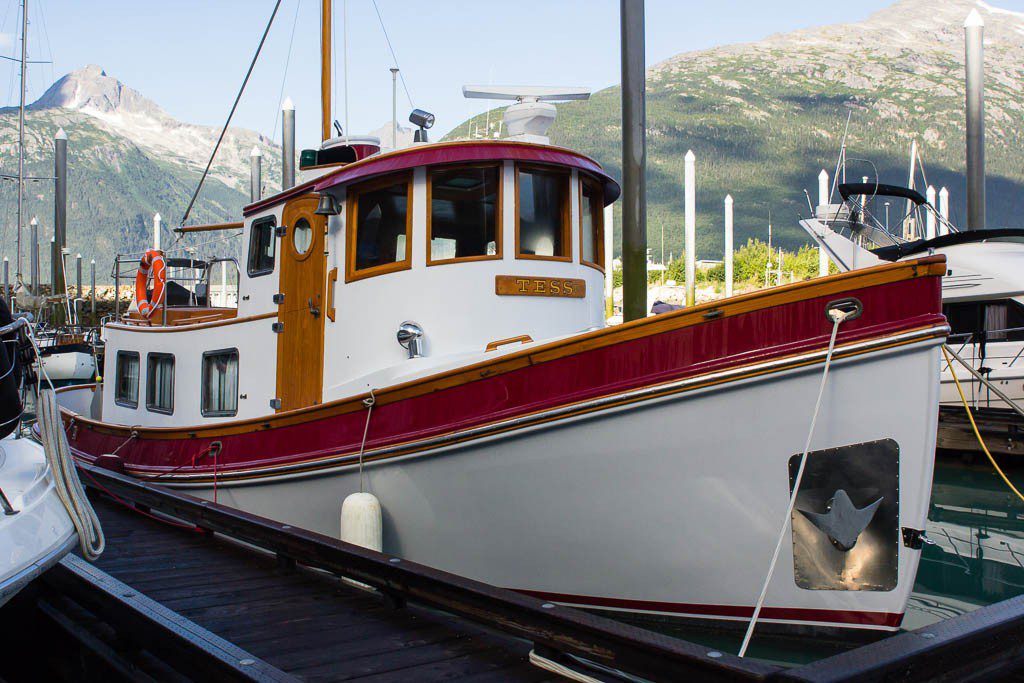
(209, 275)
(258, 223)
(352, 194)
(117, 379)
(150, 356)
(566, 211)
(596, 219)
(202, 383)
(499, 224)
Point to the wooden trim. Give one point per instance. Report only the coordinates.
(332, 280)
(597, 219)
(566, 211)
(351, 228)
(931, 266)
(188, 328)
(209, 227)
(495, 345)
(499, 225)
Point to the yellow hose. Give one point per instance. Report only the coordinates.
(974, 426)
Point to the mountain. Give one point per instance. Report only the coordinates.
(764, 118)
(127, 159)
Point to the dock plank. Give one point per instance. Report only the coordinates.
(304, 622)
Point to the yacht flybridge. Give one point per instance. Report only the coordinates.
(427, 325)
(982, 291)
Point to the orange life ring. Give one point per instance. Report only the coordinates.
(152, 262)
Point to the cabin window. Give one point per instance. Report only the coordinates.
(542, 214)
(160, 383)
(220, 383)
(998, 320)
(591, 223)
(379, 223)
(126, 391)
(464, 214)
(262, 246)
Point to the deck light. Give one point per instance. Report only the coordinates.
(423, 119)
(328, 206)
(410, 336)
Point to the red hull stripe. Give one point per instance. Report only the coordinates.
(529, 388)
(796, 614)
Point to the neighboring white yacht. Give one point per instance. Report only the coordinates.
(982, 291)
(43, 510)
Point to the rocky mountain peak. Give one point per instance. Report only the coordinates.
(90, 89)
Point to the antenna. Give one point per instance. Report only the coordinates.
(532, 114)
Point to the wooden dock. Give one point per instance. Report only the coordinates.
(1001, 428)
(190, 590)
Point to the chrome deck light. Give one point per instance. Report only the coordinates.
(410, 336)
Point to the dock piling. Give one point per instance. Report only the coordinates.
(634, 162)
(156, 231)
(92, 287)
(33, 279)
(974, 33)
(690, 225)
(944, 210)
(728, 245)
(7, 281)
(60, 210)
(929, 217)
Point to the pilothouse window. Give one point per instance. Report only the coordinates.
(464, 213)
(542, 229)
(262, 246)
(126, 390)
(160, 383)
(591, 223)
(220, 383)
(379, 223)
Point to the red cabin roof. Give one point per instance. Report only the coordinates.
(446, 153)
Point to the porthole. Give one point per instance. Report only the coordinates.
(302, 236)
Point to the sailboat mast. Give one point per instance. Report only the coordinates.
(21, 127)
(325, 68)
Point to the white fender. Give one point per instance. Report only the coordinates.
(361, 521)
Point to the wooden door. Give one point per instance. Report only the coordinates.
(300, 342)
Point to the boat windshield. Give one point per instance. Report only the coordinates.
(879, 216)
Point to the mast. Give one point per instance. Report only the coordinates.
(325, 68)
(21, 127)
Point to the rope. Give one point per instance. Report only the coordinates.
(554, 667)
(65, 477)
(974, 426)
(369, 403)
(837, 318)
(234, 106)
(401, 74)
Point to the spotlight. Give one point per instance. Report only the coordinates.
(422, 119)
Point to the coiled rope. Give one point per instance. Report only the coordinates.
(65, 476)
(837, 316)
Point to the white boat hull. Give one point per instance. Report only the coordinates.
(41, 532)
(656, 507)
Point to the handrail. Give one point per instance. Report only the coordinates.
(654, 656)
(209, 227)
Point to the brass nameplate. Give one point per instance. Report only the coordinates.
(521, 285)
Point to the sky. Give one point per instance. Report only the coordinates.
(190, 56)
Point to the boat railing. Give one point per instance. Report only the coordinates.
(13, 327)
(191, 282)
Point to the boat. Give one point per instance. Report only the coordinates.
(982, 291)
(426, 325)
(44, 514)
